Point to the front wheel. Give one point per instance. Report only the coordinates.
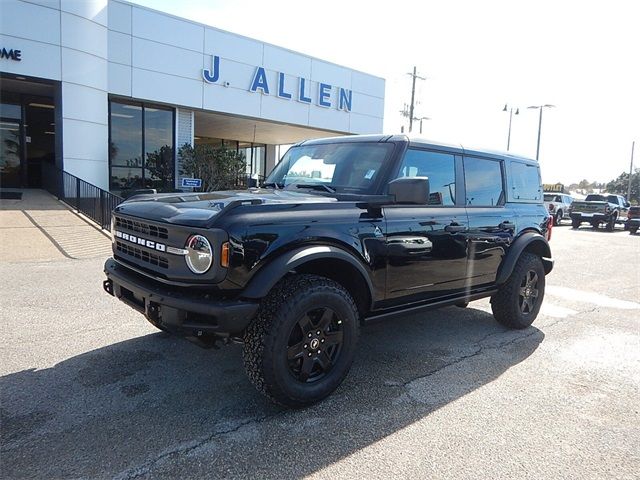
(517, 302)
(575, 223)
(611, 224)
(633, 230)
(301, 345)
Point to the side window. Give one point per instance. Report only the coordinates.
(483, 182)
(439, 167)
(525, 182)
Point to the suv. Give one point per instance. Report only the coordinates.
(344, 230)
(558, 205)
(599, 208)
(633, 219)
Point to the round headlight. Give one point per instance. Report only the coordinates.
(200, 255)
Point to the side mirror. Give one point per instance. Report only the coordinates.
(412, 190)
(627, 204)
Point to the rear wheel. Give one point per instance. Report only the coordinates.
(595, 225)
(518, 301)
(575, 223)
(301, 346)
(633, 230)
(611, 224)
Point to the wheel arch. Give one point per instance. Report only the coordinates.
(529, 241)
(325, 260)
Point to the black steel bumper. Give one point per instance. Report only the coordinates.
(184, 312)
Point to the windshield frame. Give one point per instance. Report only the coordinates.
(379, 182)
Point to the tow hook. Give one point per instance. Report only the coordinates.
(108, 287)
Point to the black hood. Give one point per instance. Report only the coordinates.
(199, 209)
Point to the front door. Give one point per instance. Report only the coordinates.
(426, 244)
(11, 147)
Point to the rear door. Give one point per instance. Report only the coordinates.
(426, 244)
(491, 224)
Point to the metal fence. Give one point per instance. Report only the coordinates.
(85, 198)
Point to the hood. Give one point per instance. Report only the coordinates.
(200, 209)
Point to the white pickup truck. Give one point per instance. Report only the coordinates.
(557, 205)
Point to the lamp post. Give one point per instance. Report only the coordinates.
(510, 118)
(540, 107)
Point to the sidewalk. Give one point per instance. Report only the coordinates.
(40, 228)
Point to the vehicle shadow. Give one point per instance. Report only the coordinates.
(158, 405)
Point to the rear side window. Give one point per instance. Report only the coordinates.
(483, 182)
(439, 167)
(525, 182)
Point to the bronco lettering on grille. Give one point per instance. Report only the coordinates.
(160, 247)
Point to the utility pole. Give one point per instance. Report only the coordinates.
(633, 145)
(414, 76)
(540, 125)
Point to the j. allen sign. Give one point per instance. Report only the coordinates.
(326, 96)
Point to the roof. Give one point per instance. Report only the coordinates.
(418, 141)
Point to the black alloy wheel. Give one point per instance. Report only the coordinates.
(315, 344)
(517, 302)
(301, 345)
(528, 294)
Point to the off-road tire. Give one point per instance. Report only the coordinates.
(633, 230)
(575, 223)
(266, 339)
(506, 305)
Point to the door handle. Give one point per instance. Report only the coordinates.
(507, 225)
(454, 227)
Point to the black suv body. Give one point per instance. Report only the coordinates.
(344, 230)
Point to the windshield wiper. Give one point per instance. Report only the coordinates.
(316, 186)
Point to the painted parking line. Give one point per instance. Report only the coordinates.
(590, 297)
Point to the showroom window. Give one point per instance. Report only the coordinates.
(140, 147)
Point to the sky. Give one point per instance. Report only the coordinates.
(581, 56)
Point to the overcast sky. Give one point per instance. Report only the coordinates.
(582, 56)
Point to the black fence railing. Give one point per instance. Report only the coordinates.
(85, 198)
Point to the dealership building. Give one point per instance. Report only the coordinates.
(109, 91)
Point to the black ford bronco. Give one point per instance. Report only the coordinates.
(344, 230)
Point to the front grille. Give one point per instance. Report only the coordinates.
(135, 252)
(141, 227)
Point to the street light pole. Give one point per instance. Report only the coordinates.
(510, 118)
(540, 125)
(633, 146)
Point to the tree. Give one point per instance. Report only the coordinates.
(620, 186)
(218, 167)
(159, 164)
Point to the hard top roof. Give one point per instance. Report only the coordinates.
(418, 142)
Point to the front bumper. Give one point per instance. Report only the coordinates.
(180, 311)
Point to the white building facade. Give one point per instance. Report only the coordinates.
(109, 91)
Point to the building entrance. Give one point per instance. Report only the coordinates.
(27, 132)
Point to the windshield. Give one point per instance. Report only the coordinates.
(551, 198)
(339, 167)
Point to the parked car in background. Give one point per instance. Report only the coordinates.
(599, 208)
(558, 205)
(633, 219)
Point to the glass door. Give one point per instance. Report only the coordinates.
(11, 148)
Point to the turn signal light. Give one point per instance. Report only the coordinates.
(549, 228)
(224, 255)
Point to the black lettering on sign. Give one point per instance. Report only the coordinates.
(11, 54)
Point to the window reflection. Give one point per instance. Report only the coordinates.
(141, 149)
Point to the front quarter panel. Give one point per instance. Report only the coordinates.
(259, 234)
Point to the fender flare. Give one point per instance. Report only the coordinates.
(266, 278)
(528, 239)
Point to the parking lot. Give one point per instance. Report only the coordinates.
(90, 390)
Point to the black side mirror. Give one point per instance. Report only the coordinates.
(412, 190)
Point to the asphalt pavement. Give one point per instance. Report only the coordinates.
(89, 389)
